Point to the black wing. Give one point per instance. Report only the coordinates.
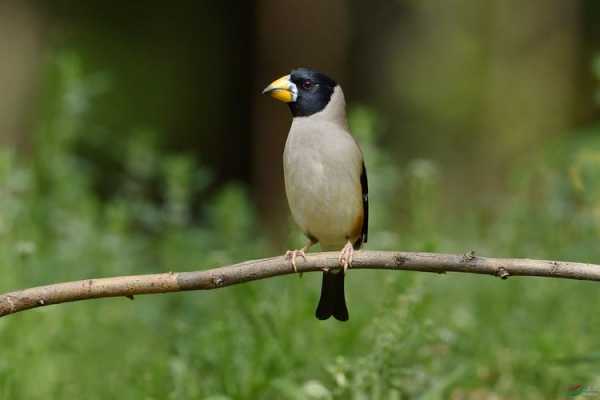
(365, 199)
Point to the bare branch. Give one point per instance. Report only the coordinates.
(128, 286)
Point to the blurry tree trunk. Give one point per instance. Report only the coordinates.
(479, 85)
(21, 42)
(532, 74)
(289, 34)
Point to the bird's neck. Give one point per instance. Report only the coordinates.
(334, 112)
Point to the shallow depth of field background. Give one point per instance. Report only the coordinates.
(133, 139)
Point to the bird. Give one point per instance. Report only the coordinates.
(325, 178)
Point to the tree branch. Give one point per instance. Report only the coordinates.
(129, 286)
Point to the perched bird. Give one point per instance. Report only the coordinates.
(325, 177)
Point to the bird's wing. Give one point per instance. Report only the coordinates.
(365, 200)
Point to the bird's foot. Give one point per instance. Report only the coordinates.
(345, 257)
(291, 256)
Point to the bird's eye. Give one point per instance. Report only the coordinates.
(307, 84)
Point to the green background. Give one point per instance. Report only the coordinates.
(133, 139)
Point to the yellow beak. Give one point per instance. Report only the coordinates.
(283, 89)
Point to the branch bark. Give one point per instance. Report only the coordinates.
(128, 286)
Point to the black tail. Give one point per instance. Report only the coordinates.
(332, 301)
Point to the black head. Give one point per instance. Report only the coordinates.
(314, 91)
(305, 90)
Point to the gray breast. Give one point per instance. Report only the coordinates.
(322, 167)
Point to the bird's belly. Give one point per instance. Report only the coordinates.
(325, 201)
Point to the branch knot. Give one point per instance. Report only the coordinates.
(502, 273)
(469, 256)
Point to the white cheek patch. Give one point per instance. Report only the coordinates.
(294, 90)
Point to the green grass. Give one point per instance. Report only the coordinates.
(410, 335)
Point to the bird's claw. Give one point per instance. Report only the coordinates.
(291, 255)
(345, 257)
